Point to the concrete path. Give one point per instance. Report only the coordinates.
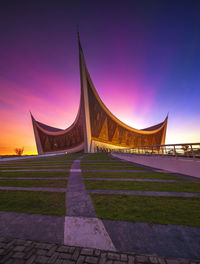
(43, 228)
(148, 193)
(163, 240)
(77, 199)
(82, 227)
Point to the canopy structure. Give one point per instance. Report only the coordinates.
(95, 127)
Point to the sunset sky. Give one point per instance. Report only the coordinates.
(143, 58)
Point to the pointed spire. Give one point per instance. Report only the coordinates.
(78, 35)
(33, 119)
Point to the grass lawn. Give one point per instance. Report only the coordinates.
(108, 167)
(34, 167)
(35, 174)
(69, 157)
(134, 175)
(154, 210)
(48, 203)
(35, 163)
(144, 186)
(34, 183)
(98, 156)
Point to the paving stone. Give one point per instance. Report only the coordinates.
(153, 259)
(87, 251)
(5, 239)
(63, 249)
(29, 253)
(42, 259)
(2, 245)
(28, 248)
(19, 248)
(103, 255)
(108, 262)
(2, 250)
(10, 261)
(65, 256)
(53, 258)
(172, 261)
(6, 257)
(19, 242)
(124, 257)
(97, 252)
(19, 255)
(17, 261)
(183, 261)
(131, 260)
(68, 262)
(76, 254)
(91, 260)
(103, 258)
(161, 261)
(59, 261)
(113, 256)
(48, 246)
(51, 251)
(71, 249)
(142, 259)
(30, 260)
(44, 246)
(37, 244)
(10, 244)
(28, 243)
(80, 260)
(41, 252)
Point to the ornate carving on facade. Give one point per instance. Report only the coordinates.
(95, 126)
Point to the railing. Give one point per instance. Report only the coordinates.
(191, 150)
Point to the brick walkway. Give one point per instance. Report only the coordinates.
(18, 251)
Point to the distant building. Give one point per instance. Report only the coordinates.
(95, 127)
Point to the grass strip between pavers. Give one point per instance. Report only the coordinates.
(33, 183)
(191, 187)
(69, 157)
(48, 203)
(36, 164)
(107, 167)
(153, 210)
(98, 156)
(134, 175)
(35, 174)
(35, 168)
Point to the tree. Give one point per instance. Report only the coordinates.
(19, 151)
